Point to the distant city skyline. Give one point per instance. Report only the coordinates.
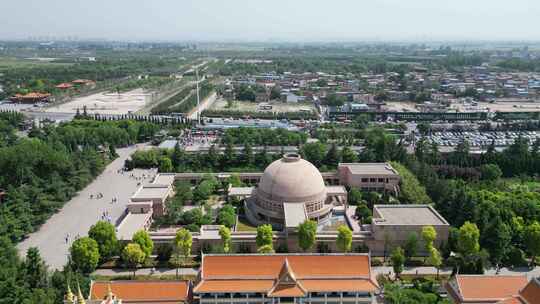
(279, 20)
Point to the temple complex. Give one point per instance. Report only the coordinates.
(286, 278)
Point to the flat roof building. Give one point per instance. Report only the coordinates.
(369, 176)
(398, 222)
(156, 193)
(290, 278)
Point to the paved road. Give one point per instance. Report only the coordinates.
(147, 271)
(205, 104)
(377, 270)
(530, 273)
(81, 212)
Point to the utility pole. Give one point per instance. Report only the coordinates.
(198, 97)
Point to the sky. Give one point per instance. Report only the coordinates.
(272, 20)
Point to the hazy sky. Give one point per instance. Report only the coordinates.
(273, 20)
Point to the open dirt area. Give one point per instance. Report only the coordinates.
(400, 106)
(500, 106)
(277, 106)
(105, 103)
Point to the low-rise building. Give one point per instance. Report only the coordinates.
(486, 289)
(155, 193)
(286, 278)
(394, 224)
(369, 176)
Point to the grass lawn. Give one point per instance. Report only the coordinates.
(244, 225)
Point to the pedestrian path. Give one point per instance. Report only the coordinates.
(93, 203)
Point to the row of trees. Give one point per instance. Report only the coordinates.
(101, 245)
(44, 77)
(263, 137)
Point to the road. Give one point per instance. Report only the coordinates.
(376, 269)
(205, 104)
(530, 273)
(81, 212)
(147, 271)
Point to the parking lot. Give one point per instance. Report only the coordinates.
(481, 139)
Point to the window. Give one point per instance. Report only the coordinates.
(364, 180)
(381, 180)
(372, 180)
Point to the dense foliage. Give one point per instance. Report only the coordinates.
(29, 280)
(42, 172)
(164, 106)
(263, 137)
(185, 101)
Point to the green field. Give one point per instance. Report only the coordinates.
(244, 225)
(14, 63)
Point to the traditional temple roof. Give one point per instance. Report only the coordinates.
(141, 291)
(80, 297)
(530, 294)
(286, 284)
(82, 81)
(485, 288)
(33, 96)
(64, 85)
(286, 275)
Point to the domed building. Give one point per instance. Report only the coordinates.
(290, 191)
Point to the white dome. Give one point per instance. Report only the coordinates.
(292, 179)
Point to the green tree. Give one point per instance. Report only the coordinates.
(397, 294)
(348, 155)
(497, 239)
(344, 238)
(265, 236)
(104, 233)
(225, 234)
(532, 240)
(398, 260)
(85, 254)
(165, 164)
(363, 213)
(182, 247)
(435, 259)
(235, 181)
(411, 245)
(314, 153)
(332, 157)
(429, 235)
(307, 234)
(35, 269)
(266, 249)
(355, 196)
(490, 172)
(247, 155)
(275, 93)
(133, 256)
(468, 240)
(411, 190)
(143, 239)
